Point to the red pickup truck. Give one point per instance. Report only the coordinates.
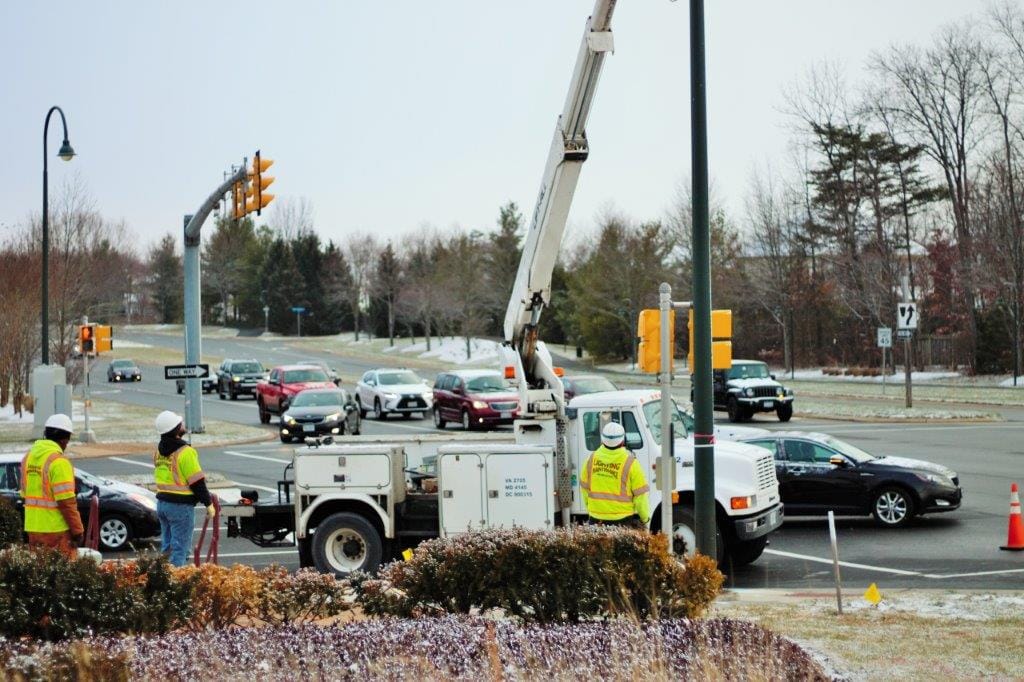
(274, 394)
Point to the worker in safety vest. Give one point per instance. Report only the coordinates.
(613, 484)
(48, 488)
(180, 483)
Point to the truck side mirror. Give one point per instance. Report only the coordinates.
(772, 377)
(634, 441)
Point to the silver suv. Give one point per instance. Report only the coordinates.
(385, 391)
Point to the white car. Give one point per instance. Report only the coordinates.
(381, 392)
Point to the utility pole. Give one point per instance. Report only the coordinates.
(704, 441)
(667, 463)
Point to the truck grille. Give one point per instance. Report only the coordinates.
(505, 407)
(765, 473)
(765, 392)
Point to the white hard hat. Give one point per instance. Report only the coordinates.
(59, 421)
(612, 435)
(167, 421)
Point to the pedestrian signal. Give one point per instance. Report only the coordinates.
(87, 338)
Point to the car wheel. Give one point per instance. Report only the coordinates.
(684, 534)
(467, 425)
(220, 393)
(233, 394)
(892, 507)
(733, 407)
(785, 412)
(378, 411)
(286, 439)
(115, 532)
(264, 414)
(344, 543)
(362, 410)
(743, 553)
(439, 423)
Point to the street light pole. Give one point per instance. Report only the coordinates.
(66, 153)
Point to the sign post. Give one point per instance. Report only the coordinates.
(906, 323)
(885, 343)
(666, 462)
(298, 310)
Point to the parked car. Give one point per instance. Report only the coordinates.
(747, 388)
(722, 431)
(331, 373)
(474, 398)
(393, 391)
(127, 512)
(238, 377)
(320, 412)
(582, 384)
(818, 473)
(274, 395)
(209, 384)
(123, 370)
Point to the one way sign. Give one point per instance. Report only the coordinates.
(186, 371)
(906, 315)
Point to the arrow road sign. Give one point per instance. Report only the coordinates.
(186, 371)
(906, 315)
(884, 337)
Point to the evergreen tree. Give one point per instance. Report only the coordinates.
(167, 288)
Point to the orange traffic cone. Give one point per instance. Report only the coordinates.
(1015, 536)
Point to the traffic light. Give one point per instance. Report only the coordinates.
(648, 356)
(721, 349)
(237, 201)
(104, 338)
(87, 338)
(255, 198)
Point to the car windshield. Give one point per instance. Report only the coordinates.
(491, 383)
(593, 385)
(396, 378)
(750, 370)
(652, 413)
(302, 376)
(247, 368)
(854, 453)
(311, 399)
(122, 363)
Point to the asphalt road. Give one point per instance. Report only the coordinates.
(959, 549)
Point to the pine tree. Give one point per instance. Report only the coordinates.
(165, 267)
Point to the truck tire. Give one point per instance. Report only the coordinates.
(785, 412)
(743, 553)
(305, 553)
(735, 411)
(684, 534)
(264, 414)
(347, 542)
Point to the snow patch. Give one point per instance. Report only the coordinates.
(915, 376)
(961, 606)
(453, 350)
(121, 344)
(9, 416)
(1008, 383)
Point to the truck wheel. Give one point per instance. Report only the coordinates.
(305, 553)
(264, 415)
(347, 542)
(439, 423)
(233, 394)
(733, 406)
(785, 412)
(743, 553)
(684, 534)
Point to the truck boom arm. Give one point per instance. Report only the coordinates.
(569, 149)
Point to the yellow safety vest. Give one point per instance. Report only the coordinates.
(47, 477)
(177, 471)
(614, 486)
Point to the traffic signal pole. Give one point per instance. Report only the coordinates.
(193, 304)
(704, 448)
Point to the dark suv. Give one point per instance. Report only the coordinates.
(475, 398)
(748, 387)
(238, 377)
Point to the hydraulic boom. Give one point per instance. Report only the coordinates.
(539, 389)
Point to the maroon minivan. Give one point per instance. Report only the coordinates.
(475, 398)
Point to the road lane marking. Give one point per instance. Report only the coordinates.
(847, 564)
(979, 573)
(240, 554)
(148, 465)
(235, 453)
(239, 484)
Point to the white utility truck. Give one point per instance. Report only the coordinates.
(353, 504)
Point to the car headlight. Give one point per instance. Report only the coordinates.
(290, 421)
(391, 396)
(333, 417)
(748, 392)
(937, 479)
(789, 391)
(479, 404)
(146, 502)
(236, 379)
(427, 395)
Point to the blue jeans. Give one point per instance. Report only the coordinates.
(176, 523)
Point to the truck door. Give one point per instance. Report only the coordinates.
(462, 494)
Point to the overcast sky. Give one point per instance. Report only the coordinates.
(390, 115)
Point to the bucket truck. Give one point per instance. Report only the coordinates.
(357, 503)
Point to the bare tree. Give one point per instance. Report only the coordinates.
(361, 251)
(291, 217)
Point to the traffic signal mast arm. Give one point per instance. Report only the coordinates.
(569, 149)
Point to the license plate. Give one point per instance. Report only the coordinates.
(770, 404)
(506, 415)
(309, 428)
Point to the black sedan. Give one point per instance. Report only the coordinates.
(818, 473)
(127, 512)
(320, 412)
(123, 370)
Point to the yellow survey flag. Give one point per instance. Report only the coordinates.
(872, 594)
(407, 554)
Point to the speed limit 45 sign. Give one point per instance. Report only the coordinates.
(884, 337)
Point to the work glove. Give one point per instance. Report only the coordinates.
(210, 511)
(76, 540)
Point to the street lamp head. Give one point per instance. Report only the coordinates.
(66, 152)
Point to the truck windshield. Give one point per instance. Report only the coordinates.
(247, 368)
(752, 370)
(652, 413)
(302, 376)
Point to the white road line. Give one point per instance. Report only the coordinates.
(239, 484)
(235, 453)
(148, 465)
(977, 573)
(240, 554)
(848, 564)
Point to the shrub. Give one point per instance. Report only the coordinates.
(221, 596)
(11, 526)
(299, 597)
(544, 576)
